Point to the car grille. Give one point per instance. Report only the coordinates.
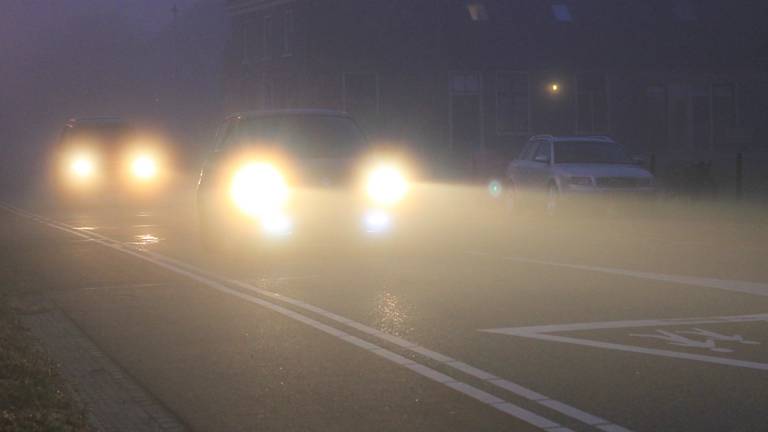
(618, 182)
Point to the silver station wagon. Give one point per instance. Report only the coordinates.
(552, 170)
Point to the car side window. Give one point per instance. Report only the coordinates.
(527, 150)
(542, 152)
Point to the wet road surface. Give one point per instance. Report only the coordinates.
(472, 321)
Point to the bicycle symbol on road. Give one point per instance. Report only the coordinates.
(710, 339)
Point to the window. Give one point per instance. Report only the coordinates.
(245, 44)
(723, 114)
(525, 154)
(512, 103)
(288, 33)
(252, 40)
(656, 117)
(267, 38)
(477, 11)
(542, 152)
(268, 92)
(561, 12)
(684, 10)
(464, 83)
(592, 103)
(701, 124)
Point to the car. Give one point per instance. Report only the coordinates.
(105, 154)
(301, 173)
(552, 170)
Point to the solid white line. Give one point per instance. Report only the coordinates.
(747, 287)
(435, 376)
(410, 346)
(443, 359)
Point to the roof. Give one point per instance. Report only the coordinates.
(283, 112)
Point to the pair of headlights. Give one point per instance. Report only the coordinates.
(85, 166)
(259, 188)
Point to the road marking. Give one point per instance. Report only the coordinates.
(679, 338)
(545, 333)
(124, 286)
(464, 388)
(488, 377)
(747, 287)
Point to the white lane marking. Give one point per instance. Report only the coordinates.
(410, 346)
(544, 333)
(747, 287)
(124, 286)
(466, 389)
(441, 358)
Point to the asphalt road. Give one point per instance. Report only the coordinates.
(468, 320)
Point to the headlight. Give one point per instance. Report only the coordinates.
(258, 189)
(386, 185)
(82, 166)
(580, 181)
(144, 167)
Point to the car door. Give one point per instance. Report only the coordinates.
(539, 170)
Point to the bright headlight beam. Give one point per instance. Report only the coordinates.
(386, 185)
(83, 166)
(258, 189)
(144, 167)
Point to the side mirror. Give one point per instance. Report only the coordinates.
(541, 158)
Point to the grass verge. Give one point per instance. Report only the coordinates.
(33, 397)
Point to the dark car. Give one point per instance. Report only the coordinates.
(288, 173)
(105, 154)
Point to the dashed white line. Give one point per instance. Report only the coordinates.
(747, 287)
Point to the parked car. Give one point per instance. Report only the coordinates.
(275, 175)
(552, 170)
(106, 154)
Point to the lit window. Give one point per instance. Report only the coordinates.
(561, 12)
(477, 11)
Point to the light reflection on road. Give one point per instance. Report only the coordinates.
(392, 314)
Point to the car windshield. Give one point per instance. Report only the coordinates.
(581, 151)
(98, 132)
(305, 136)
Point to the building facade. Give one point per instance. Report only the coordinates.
(466, 82)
